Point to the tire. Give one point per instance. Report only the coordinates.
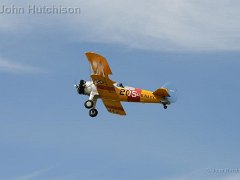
(88, 104)
(165, 107)
(93, 112)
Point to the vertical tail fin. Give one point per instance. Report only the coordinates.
(167, 92)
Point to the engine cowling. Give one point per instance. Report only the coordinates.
(81, 86)
(85, 87)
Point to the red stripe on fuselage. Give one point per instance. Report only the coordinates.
(135, 95)
(106, 88)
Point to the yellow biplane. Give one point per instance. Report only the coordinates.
(113, 93)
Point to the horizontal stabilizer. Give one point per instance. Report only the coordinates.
(161, 92)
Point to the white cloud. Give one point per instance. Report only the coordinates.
(12, 67)
(167, 25)
(34, 174)
(164, 24)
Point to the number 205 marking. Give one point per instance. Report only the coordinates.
(131, 93)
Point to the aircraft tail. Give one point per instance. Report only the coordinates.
(162, 92)
(167, 91)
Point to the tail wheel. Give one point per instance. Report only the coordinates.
(93, 112)
(89, 104)
(165, 106)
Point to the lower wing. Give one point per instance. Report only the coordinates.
(114, 106)
(106, 91)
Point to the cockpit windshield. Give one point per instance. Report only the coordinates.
(119, 85)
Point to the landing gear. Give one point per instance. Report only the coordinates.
(93, 112)
(165, 106)
(89, 104)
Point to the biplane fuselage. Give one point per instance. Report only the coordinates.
(112, 93)
(129, 94)
(136, 95)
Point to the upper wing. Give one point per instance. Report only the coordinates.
(98, 64)
(105, 87)
(108, 94)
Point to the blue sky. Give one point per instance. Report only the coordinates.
(45, 131)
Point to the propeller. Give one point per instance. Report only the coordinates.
(80, 87)
(75, 84)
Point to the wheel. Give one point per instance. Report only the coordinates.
(88, 104)
(165, 106)
(93, 112)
